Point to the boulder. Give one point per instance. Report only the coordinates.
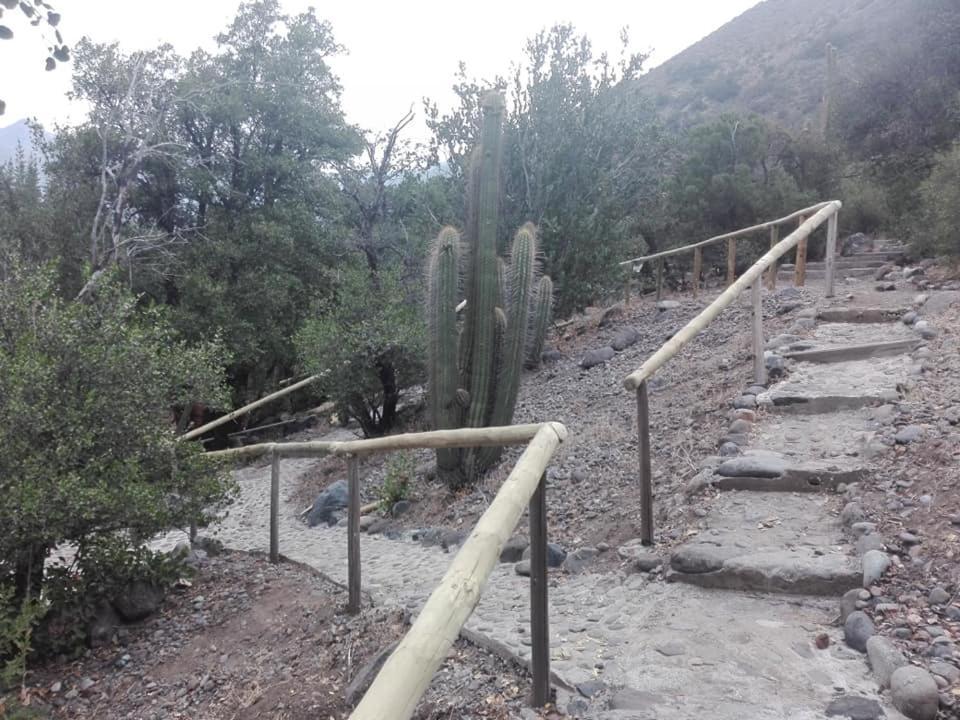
(855, 707)
(852, 514)
(925, 329)
(908, 434)
(325, 507)
(555, 555)
(914, 693)
(745, 402)
(513, 549)
(857, 629)
(139, 599)
(597, 357)
(625, 338)
(884, 658)
(578, 560)
(848, 603)
(874, 565)
(668, 305)
(753, 465)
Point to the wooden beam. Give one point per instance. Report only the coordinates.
(353, 535)
(463, 437)
(697, 324)
(830, 259)
(800, 267)
(408, 671)
(731, 260)
(772, 272)
(646, 477)
(806, 212)
(539, 617)
(697, 270)
(196, 432)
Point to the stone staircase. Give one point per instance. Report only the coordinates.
(863, 264)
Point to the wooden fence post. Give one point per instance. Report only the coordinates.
(539, 620)
(275, 506)
(731, 261)
(772, 272)
(626, 285)
(659, 278)
(646, 481)
(353, 535)
(800, 267)
(697, 270)
(830, 260)
(759, 365)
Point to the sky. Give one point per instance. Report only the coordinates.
(398, 52)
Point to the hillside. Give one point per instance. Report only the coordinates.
(11, 136)
(771, 60)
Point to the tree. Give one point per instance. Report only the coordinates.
(940, 207)
(88, 455)
(582, 160)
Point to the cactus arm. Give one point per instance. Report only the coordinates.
(542, 310)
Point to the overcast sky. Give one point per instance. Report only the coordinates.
(398, 52)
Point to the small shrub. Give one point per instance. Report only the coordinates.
(16, 634)
(939, 229)
(396, 484)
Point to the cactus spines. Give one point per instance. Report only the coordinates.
(474, 378)
(542, 309)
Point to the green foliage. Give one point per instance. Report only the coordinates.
(474, 376)
(16, 632)
(865, 205)
(87, 449)
(367, 339)
(939, 229)
(401, 472)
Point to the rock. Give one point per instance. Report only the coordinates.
(555, 555)
(909, 317)
(886, 287)
(139, 599)
(908, 434)
(400, 507)
(366, 521)
(869, 542)
(747, 402)
(513, 549)
(102, 625)
(379, 525)
(729, 449)
(578, 560)
(753, 465)
(364, 678)
(643, 559)
(327, 504)
(803, 323)
(914, 693)
(590, 688)
(857, 629)
(774, 363)
(742, 414)
(625, 338)
(856, 243)
(522, 568)
(945, 670)
(549, 357)
(908, 538)
(739, 426)
(884, 658)
(597, 357)
(874, 564)
(630, 699)
(211, 546)
(851, 514)
(952, 415)
(672, 648)
(697, 558)
(854, 707)
(925, 329)
(909, 272)
(780, 341)
(85, 684)
(848, 603)
(863, 527)
(939, 596)
(668, 305)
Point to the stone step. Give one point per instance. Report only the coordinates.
(814, 273)
(769, 542)
(828, 387)
(759, 469)
(854, 352)
(849, 262)
(861, 315)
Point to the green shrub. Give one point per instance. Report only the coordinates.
(16, 632)
(939, 229)
(88, 454)
(396, 483)
(865, 207)
(367, 340)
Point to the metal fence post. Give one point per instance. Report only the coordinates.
(759, 366)
(831, 257)
(646, 481)
(353, 535)
(539, 621)
(275, 506)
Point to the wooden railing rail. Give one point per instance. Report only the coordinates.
(637, 380)
(406, 675)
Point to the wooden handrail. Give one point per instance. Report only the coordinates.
(695, 326)
(463, 437)
(408, 671)
(730, 235)
(196, 432)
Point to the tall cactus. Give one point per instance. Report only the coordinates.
(474, 376)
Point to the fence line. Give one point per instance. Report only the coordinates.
(637, 380)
